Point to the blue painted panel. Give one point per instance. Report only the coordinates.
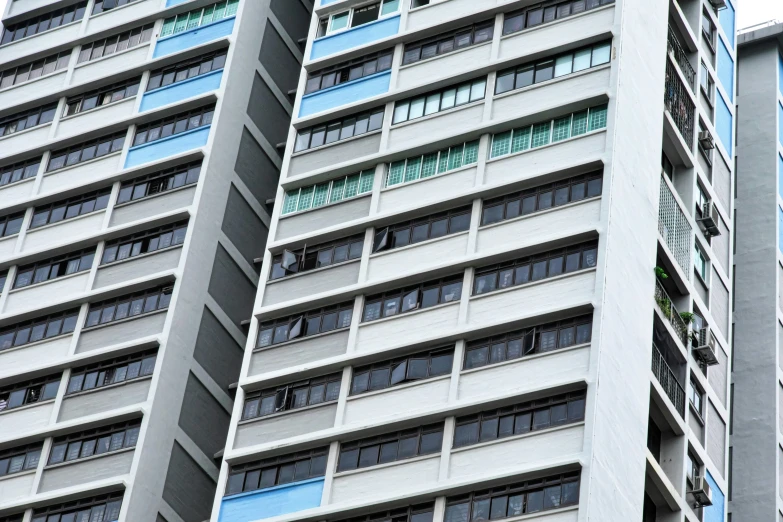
(170, 3)
(726, 69)
(167, 147)
(715, 512)
(272, 502)
(199, 35)
(724, 123)
(327, 2)
(726, 19)
(354, 91)
(355, 37)
(181, 90)
(780, 176)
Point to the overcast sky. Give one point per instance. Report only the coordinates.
(751, 12)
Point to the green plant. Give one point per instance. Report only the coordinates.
(665, 305)
(661, 273)
(687, 317)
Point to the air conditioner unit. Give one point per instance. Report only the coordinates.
(704, 346)
(718, 4)
(706, 141)
(702, 495)
(709, 219)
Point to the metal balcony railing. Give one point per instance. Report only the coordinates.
(681, 58)
(668, 381)
(664, 302)
(674, 227)
(679, 104)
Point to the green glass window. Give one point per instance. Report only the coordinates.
(199, 17)
(541, 133)
(320, 195)
(501, 144)
(366, 180)
(333, 191)
(413, 169)
(597, 118)
(396, 171)
(580, 123)
(521, 140)
(562, 129)
(429, 166)
(419, 167)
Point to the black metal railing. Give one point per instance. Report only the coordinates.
(668, 309)
(679, 103)
(681, 58)
(668, 381)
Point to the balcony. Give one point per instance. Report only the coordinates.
(678, 53)
(664, 302)
(674, 227)
(679, 104)
(668, 380)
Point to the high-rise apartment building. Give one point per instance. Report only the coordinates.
(138, 157)
(498, 258)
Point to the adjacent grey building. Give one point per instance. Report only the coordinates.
(139, 156)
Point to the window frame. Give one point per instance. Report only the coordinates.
(113, 143)
(384, 238)
(204, 114)
(190, 174)
(144, 33)
(42, 115)
(276, 463)
(126, 87)
(100, 199)
(84, 260)
(15, 218)
(111, 501)
(351, 12)
(29, 460)
(284, 325)
(437, 40)
(117, 302)
(425, 99)
(404, 514)
(396, 437)
(696, 398)
(66, 319)
(400, 294)
(47, 388)
(144, 239)
(342, 184)
(187, 66)
(336, 127)
(345, 69)
(109, 370)
(283, 397)
(33, 70)
(303, 257)
(397, 362)
(549, 5)
(129, 430)
(77, 11)
(434, 163)
(228, 9)
(27, 169)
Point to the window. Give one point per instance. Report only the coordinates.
(44, 22)
(70, 208)
(391, 447)
(94, 442)
(419, 3)
(144, 242)
(103, 508)
(292, 396)
(30, 392)
(701, 265)
(546, 13)
(338, 130)
(3, 278)
(185, 70)
(318, 256)
(692, 471)
(535, 268)
(101, 97)
(13, 518)
(438, 101)
(174, 125)
(546, 132)
(420, 513)
(422, 229)
(541, 198)
(349, 71)
(86, 151)
(549, 68)
(336, 190)
(395, 372)
(708, 29)
(37, 329)
(357, 16)
(129, 306)
(115, 371)
(106, 5)
(416, 297)
(163, 181)
(115, 44)
(701, 200)
(19, 171)
(445, 43)
(274, 471)
(54, 268)
(428, 165)
(526, 497)
(521, 418)
(706, 82)
(314, 322)
(16, 460)
(199, 17)
(696, 397)
(528, 341)
(11, 224)
(27, 120)
(33, 70)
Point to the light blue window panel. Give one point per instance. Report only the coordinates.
(780, 176)
(179, 91)
(327, 2)
(199, 35)
(354, 91)
(715, 512)
(171, 3)
(272, 502)
(364, 34)
(724, 123)
(726, 19)
(171, 146)
(726, 69)
(780, 124)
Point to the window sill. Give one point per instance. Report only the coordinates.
(533, 283)
(584, 201)
(421, 243)
(411, 313)
(140, 256)
(34, 80)
(404, 386)
(30, 38)
(117, 153)
(553, 81)
(127, 319)
(31, 230)
(15, 183)
(338, 142)
(421, 180)
(310, 272)
(12, 236)
(525, 358)
(86, 459)
(428, 117)
(300, 212)
(299, 340)
(26, 407)
(517, 437)
(159, 194)
(36, 343)
(50, 281)
(286, 413)
(25, 131)
(108, 56)
(556, 22)
(386, 465)
(107, 387)
(11, 476)
(95, 109)
(438, 56)
(544, 147)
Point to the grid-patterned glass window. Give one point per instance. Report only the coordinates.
(314, 196)
(29, 392)
(349, 71)
(32, 70)
(103, 96)
(54, 268)
(317, 256)
(103, 508)
(19, 171)
(337, 130)
(38, 329)
(275, 471)
(94, 442)
(418, 513)
(114, 371)
(428, 165)
(115, 44)
(179, 72)
(412, 298)
(518, 419)
(70, 208)
(314, 322)
(528, 341)
(394, 372)
(11, 224)
(151, 184)
(449, 42)
(541, 198)
(27, 119)
(548, 12)
(546, 132)
(174, 125)
(441, 100)
(86, 151)
(198, 17)
(106, 5)
(129, 306)
(16, 460)
(390, 447)
(44, 22)
(288, 397)
(422, 229)
(144, 242)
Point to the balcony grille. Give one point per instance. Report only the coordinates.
(670, 312)
(674, 227)
(682, 59)
(668, 381)
(679, 104)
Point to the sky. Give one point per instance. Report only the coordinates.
(751, 12)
